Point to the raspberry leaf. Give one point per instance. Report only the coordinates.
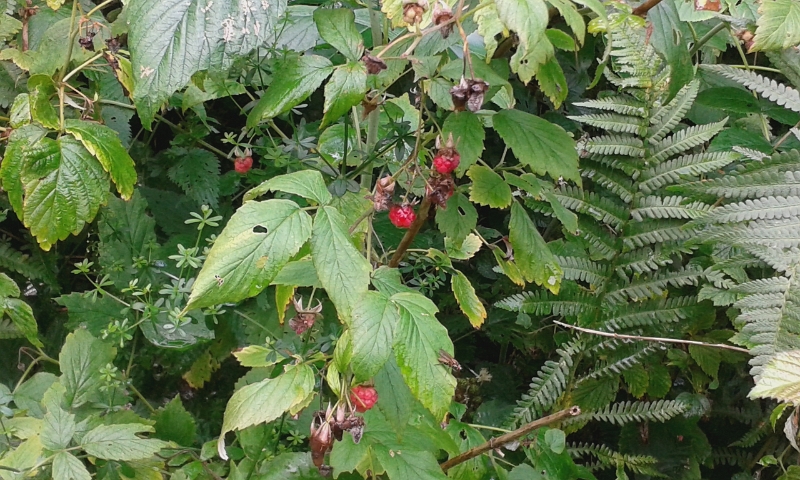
(372, 328)
(467, 299)
(255, 245)
(418, 339)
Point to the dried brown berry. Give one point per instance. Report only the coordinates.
(442, 13)
(374, 64)
(87, 42)
(113, 44)
(305, 317)
(439, 189)
(382, 199)
(413, 10)
(469, 93)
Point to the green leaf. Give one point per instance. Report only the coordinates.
(104, 144)
(41, 88)
(171, 40)
(21, 315)
(525, 472)
(552, 81)
(21, 141)
(730, 99)
(528, 18)
(388, 280)
(418, 339)
(119, 442)
(94, 314)
(67, 466)
(488, 188)
(175, 424)
(266, 400)
(707, 358)
(408, 464)
(372, 327)
(541, 145)
(308, 184)
(58, 428)
(338, 28)
(344, 90)
(298, 274)
(255, 245)
(295, 79)
(667, 41)
(468, 134)
(778, 25)
(81, 359)
(567, 217)
(8, 287)
(342, 270)
(467, 299)
(531, 253)
(458, 219)
(560, 39)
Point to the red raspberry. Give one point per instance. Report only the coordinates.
(243, 164)
(402, 216)
(445, 164)
(363, 398)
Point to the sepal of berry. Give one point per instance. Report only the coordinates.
(402, 216)
(363, 398)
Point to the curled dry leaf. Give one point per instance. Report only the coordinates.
(374, 64)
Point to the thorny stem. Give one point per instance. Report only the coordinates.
(509, 437)
(82, 66)
(651, 339)
(642, 9)
(374, 117)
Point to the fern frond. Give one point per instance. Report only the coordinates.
(770, 89)
(780, 259)
(545, 388)
(643, 260)
(15, 261)
(617, 183)
(647, 232)
(627, 412)
(621, 104)
(754, 435)
(582, 269)
(619, 365)
(747, 185)
(615, 145)
(649, 286)
(601, 242)
(651, 313)
(686, 139)
(668, 207)
(607, 458)
(667, 117)
(775, 234)
(763, 286)
(545, 303)
(732, 457)
(627, 165)
(592, 204)
(671, 171)
(766, 208)
(613, 122)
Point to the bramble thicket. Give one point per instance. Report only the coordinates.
(399, 239)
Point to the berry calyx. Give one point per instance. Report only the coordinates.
(363, 398)
(445, 164)
(243, 164)
(402, 216)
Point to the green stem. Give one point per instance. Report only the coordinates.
(71, 40)
(81, 66)
(98, 7)
(708, 36)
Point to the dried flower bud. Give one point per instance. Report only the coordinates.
(321, 439)
(478, 89)
(460, 95)
(374, 64)
(113, 44)
(439, 189)
(443, 13)
(305, 317)
(413, 10)
(382, 199)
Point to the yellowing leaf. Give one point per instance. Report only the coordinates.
(467, 299)
(488, 188)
